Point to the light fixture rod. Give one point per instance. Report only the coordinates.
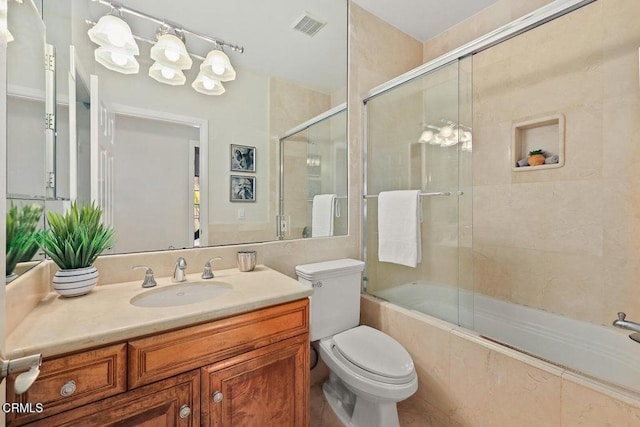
(215, 41)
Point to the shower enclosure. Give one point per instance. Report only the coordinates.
(313, 163)
(419, 137)
(539, 258)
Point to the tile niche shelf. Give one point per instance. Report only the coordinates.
(538, 133)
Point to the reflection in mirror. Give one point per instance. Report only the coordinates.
(159, 156)
(26, 178)
(313, 177)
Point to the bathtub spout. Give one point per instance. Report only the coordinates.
(626, 324)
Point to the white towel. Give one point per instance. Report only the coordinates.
(399, 217)
(322, 215)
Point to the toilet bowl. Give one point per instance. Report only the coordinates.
(369, 370)
(372, 366)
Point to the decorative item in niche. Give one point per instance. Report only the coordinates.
(538, 143)
(243, 158)
(242, 188)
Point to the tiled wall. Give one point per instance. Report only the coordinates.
(564, 240)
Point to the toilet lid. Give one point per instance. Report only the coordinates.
(374, 351)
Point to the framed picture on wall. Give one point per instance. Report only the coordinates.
(242, 188)
(243, 158)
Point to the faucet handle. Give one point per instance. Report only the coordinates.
(208, 272)
(149, 280)
(621, 315)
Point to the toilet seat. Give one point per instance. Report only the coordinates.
(374, 355)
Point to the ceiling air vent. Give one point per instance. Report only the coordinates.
(308, 25)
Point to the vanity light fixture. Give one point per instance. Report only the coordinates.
(447, 135)
(117, 46)
(169, 51)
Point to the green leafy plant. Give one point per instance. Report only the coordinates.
(534, 152)
(76, 238)
(22, 237)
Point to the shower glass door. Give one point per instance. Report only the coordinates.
(419, 138)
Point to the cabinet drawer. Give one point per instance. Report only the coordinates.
(161, 356)
(70, 381)
(172, 402)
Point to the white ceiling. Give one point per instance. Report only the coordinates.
(423, 19)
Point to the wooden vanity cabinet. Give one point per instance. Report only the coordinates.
(250, 369)
(266, 384)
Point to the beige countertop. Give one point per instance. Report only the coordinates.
(61, 325)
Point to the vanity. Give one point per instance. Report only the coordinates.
(235, 359)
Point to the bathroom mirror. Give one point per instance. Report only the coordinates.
(28, 143)
(167, 152)
(313, 177)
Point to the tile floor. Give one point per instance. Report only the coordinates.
(323, 416)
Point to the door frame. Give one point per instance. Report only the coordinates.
(203, 125)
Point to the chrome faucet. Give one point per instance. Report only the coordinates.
(179, 274)
(149, 281)
(208, 272)
(626, 324)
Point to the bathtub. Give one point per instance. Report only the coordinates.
(602, 352)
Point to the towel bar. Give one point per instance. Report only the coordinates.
(437, 193)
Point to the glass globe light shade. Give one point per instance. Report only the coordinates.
(207, 86)
(217, 66)
(170, 50)
(426, 136)
(167, 75)
(113, 32)
(116, 60)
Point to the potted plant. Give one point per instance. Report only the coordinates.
(22, 237)
(73, 241)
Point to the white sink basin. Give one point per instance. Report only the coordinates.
(181, 294)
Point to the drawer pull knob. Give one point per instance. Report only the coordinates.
(218, 396)
(185, 411)
(68, 389)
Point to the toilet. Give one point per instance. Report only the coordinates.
(369, 371)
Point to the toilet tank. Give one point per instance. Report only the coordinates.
(335, 303)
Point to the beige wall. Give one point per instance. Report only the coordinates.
(498, 14)
(564, 240)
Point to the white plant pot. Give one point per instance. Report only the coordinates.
(75, 282)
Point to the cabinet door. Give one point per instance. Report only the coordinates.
(265, 387)
(172, 402)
